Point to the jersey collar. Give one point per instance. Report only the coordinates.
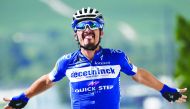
(96, 55)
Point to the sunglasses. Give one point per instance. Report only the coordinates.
(91, 24)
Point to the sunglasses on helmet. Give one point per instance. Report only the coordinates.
(91, 24)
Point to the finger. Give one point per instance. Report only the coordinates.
(181, 100)
(183, 90)
(6, 99)
(184, 96)
(178, 101)
(8, 107)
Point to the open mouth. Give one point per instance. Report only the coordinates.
(88, 36)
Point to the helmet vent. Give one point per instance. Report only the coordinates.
(97, 12)
(80, 12)
(85, 16)
(85, 10)
(91, 10)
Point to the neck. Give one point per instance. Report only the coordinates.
(89, 53)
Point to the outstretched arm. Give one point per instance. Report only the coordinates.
(40, 85)
(144, 77)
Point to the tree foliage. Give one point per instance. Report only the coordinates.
(182, 72)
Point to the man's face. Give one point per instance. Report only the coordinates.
(88, 38)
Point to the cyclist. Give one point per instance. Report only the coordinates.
(93, 71)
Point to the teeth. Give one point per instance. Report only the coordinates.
(88, 36)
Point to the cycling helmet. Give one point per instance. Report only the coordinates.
(87, 14)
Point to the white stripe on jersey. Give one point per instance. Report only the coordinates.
(93, 72)
(134, 69)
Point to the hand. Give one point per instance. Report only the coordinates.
(7, 106)
(173, 95)
(183, 98)
(17, 102)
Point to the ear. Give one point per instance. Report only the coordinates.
(75, 35)
(101, 33)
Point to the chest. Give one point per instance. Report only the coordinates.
(89, 72)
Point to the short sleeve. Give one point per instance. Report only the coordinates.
(126, 66)
(59, 69)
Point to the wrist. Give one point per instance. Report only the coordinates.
(167, 89)
(22, 97)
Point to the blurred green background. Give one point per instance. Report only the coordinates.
(35, 33)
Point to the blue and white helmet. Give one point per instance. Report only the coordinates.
(87, 14)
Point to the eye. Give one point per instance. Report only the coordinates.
(80, 26)
(93, 25)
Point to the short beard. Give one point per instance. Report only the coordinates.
(90, 47)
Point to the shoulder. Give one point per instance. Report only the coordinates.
(115, 52)
(67, 57)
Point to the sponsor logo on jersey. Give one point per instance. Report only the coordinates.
(93, 89)
(93, 72)
(66, 56)
(93, 83)
(102, 63)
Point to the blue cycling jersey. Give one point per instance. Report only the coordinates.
(94, 84)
